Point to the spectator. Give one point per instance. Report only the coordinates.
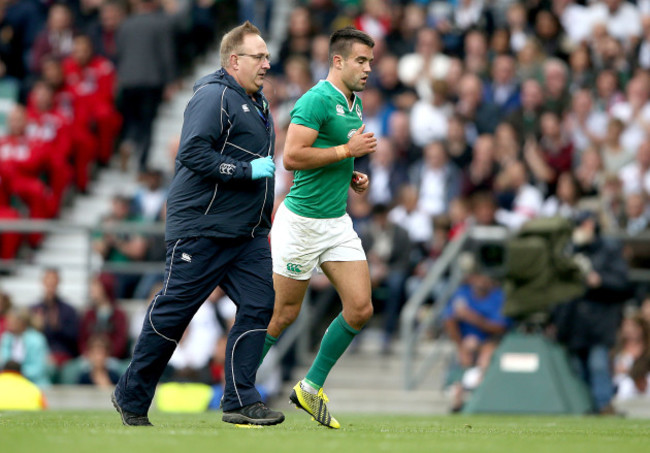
(388, 173)
(637, 384)
(506, 144)
(57, 320)
(473, 321)
(458, 149)
(190, 361)
(104, 33)
(588, 325)
(632, 343)
(482, 117)
(556, 89)
(145, 69)
(636, 175)
(103, 318)
(527, 202)
(621, 18)
(564, 203)
(397, 94)
(589, 172)
(399, 131)
(120, 246)
(388, 248)
(585, 125)
(429, 119)
(56, 39)
(9, 240)
(427, 63)
(17, 393)
(608, 92)
(436, 178)
(26, 346)
(23, 161)
(150, 196)
(518, 28)
(92, 77)
(5, 306)
(412, 218)
(553, 155)
(99, 372)
(636, 214)
(581, 71)
(526, 119)
(503, 89)
(480, 173)
(634, 112)
(300, 33)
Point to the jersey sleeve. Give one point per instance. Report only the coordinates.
(309, 111)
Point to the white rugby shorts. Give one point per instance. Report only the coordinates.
(300, 244)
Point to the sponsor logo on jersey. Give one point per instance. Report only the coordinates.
(295, 268)
(351, 133)
(340, 110)
(226, 169)
(186, 257)
(359, 112)
(245, 108)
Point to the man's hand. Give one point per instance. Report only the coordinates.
(361, 144)
(262, 167)
(594, 280)
(360, 182)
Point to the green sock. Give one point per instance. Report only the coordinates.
(336, 340)
(268, 342)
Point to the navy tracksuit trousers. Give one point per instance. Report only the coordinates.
(194, 267)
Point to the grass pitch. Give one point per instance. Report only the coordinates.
(102, 432)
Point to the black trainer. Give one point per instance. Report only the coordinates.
(253, 414)
(129, 418)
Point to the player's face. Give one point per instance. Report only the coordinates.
(356, 67)
(252, 63)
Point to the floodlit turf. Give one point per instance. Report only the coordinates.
(101, 432)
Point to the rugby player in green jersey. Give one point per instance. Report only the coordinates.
(311, 228)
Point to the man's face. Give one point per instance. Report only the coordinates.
(356, 67)
(252, 62)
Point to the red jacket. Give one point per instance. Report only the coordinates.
(96, 80)
(115, 329)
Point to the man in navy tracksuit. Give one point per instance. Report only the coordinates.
(218, 219)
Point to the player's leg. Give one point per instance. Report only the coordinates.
(295, 252)
(249, 284)
(194, 267)
(352, 281)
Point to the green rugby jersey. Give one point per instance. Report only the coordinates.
(322, 193)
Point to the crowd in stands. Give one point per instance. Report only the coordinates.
(487, 113)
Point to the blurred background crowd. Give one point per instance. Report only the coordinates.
(488, 113)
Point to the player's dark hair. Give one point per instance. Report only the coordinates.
(341, 42)
(234, 38)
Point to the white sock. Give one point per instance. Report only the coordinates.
(308, 388)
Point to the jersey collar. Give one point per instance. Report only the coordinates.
(350, 107)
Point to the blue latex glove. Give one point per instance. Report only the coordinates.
(263, 167)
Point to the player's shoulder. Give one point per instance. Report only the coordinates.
(321, 92)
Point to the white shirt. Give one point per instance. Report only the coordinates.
(432, 191)
(417, 223)
(634, 133)
(623, 24)
(199, 342)
(526, 206)
(632, 179)
(411, 72)
(595, 124)
(627, 389)
(380, 187)
(428, 122)
(576, 21)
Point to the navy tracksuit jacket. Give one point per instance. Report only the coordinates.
(218, 220)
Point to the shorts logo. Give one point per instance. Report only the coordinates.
(245, 108)
(295, 268)
(186, 257)
(340, 110)
(226, 169)
(359, 112)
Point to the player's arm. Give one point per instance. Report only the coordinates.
(299, 154)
